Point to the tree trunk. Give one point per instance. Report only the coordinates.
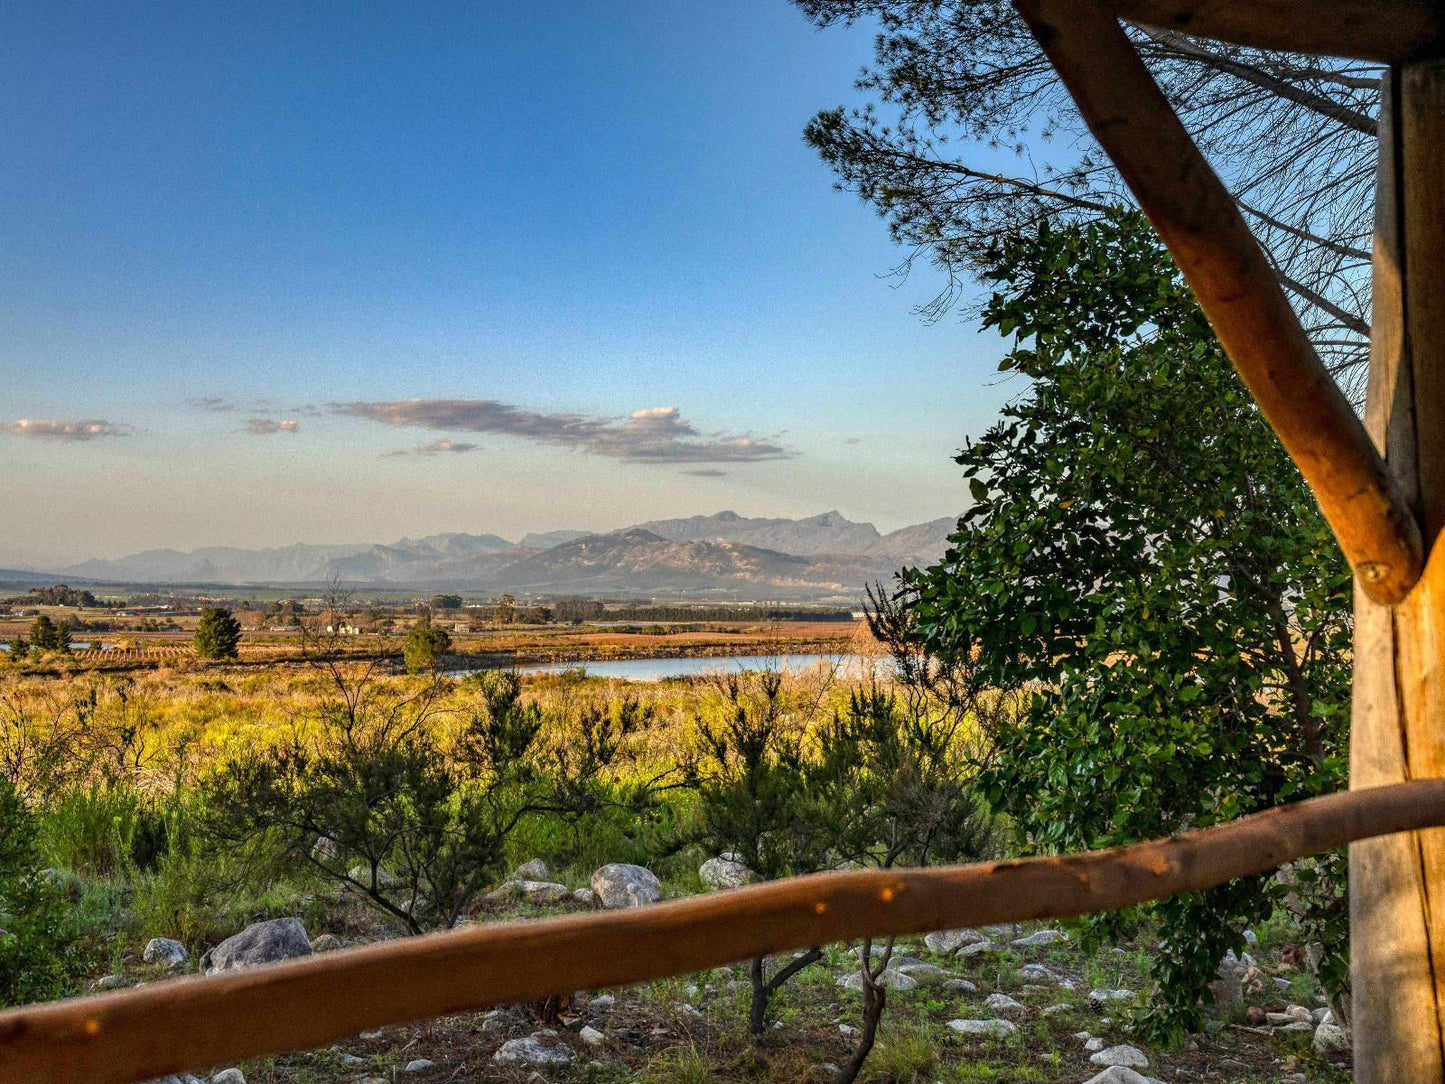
(1397, 883)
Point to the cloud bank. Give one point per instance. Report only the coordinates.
(58, 429)
(654, 435)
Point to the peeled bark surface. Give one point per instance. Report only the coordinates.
(1397, 884)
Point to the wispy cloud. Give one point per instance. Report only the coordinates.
(75, 431)
(215, 403)
(262, 427)
(708, 472)
(654, 435)
(438, 447)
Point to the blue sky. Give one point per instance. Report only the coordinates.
(539, 219)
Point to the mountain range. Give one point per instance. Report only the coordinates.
(724, 556)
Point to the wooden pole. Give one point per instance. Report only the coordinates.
(187, 1024)
(1397, 885)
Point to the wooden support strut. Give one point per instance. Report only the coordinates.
(190, 1023)
(1380, 30)
(1235, 286)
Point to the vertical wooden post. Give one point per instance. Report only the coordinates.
(1397, 884)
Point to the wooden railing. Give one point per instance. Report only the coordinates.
(191, 1023)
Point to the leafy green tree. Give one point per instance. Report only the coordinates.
(218, 634)
(38, 954)
(19, 649)
(425, 645)
(1146, 564)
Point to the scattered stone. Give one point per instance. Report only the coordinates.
(947, 942)
(1297, 1025)
(109, 982)
(1330, 1038)
(622, 884)
(726, 871)
(1322, 1015)
(1041, 937)
(229, 1076)
(960, 986)
(540, 1048)
(988, 1029)
(1003, 1004)
(325, 847)
(591, 1036)
(1093, 1044)
(259, 943)
(384, 879)
(847, 1030)
(922, 973)
(505, 892)
(1278, 1019)
(535, 870)
(978, 948)
(601, 1002)
(326, 942)
(419, 1065)
(1131, 1057)
(1118, 1074)
(1250, 938)
(543, 893)
(1038, 973)
(1255, 1015)
(893, 980)
(585, 896)
(1300, 1013)
(1056, 1010)
(349, 1059)
(1281, 984)
(1003, 929)
(1099, 998)
(162, 950)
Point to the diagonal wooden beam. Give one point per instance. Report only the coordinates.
(1236, 288)
(190, 1023)
(1386, 31)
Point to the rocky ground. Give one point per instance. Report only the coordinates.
(1003, 1003)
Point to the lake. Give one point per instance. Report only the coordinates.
(850, 666)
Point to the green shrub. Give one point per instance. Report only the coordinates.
(37, 942)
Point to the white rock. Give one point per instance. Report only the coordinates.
(960, 986)
(1038, 973)
(621, 884)
(418, 1065)
(535, 870)
(726, 871)
(945, 942)
(1094, 1043)
(162, 950)
(259, 943)
(229, 1076)
(324, 847)
(1055, 1010)
(601, 1003)
(1118, 1074)
(585, 896)
(362, 876)
(591, 1036)
(1039, 937)
(1300, 1013)
(978, 948)
(109, 982)
(539, 1048)
(893, 980)
(543, 893)
(1003, 1004)
(922, 973)
(847, 1029)
(1330, 1038)
(1103, 997)
(326, 942)
(1128, 1056)
(988, 1029)
(504, 892)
